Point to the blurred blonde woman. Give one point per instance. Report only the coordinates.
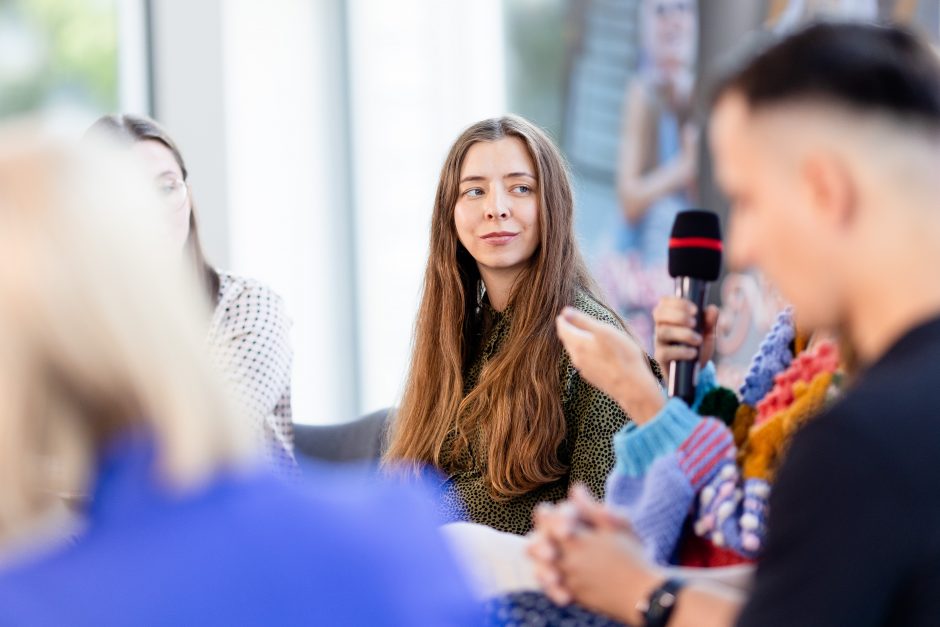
(106, 392)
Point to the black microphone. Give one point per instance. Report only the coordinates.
(694, 262)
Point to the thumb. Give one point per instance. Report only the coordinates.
(583, 321)
(569, 332)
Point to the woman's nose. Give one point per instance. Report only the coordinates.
(497, 208)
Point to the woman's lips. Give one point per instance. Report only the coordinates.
(500, 238)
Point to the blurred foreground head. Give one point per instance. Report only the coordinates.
(101, 330)
(827, 143)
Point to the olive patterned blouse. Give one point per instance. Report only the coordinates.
(592, 420)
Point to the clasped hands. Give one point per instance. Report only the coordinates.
(584, 551)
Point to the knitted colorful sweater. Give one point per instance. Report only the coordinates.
(682, 473)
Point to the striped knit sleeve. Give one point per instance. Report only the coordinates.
(661, 467)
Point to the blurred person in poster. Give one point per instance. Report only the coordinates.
(108, 392)
(657, 167)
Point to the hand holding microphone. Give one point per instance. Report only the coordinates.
(694, 262)
(675, 337)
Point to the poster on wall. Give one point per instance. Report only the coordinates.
(632, 129)
(633, 143)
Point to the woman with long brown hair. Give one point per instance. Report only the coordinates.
(248, 332)
(491, 399)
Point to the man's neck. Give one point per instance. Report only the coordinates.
(903, 296)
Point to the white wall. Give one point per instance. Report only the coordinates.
(288, 209)
(252, 92)
(420, 71)
(187, 83)
(133, 61)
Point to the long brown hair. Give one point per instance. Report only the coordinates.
(138, 128)
(515, 411)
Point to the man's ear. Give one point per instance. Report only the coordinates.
(831, 186)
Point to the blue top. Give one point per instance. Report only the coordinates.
(243, 550)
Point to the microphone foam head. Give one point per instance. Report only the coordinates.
(695, 245)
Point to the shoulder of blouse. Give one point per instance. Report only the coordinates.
(585, 303)
(242, 297)
(571, 381)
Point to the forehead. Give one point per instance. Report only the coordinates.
(155, 157)
(496, 158)
(731, 133)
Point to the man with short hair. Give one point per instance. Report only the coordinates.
(828, 146)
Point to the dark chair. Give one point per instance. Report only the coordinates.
(357, 441)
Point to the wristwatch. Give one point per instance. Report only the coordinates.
(657, 609)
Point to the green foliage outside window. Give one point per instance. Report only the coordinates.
(58, 52)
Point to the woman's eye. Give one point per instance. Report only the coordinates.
(168, 187)
(522, 189)
(473, 192)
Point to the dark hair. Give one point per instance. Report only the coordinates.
(137, 128)
(884, 69)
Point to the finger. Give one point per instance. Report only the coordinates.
(547, 523)
(621, 518)
(555, 521)
(678, 335)
(558, 595)
(598, 513)
(543, 552)
(589, 510)
(551, 582)
(546, 514)
(587, 507)
(571, 336)
(583, 321)
(541, 514)
(577, 342)
(547, 578)
(565, 522)
(580, 496)
(674, 310)
(542, 549)
(666, 353)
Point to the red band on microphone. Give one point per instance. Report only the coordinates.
(695, 242)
